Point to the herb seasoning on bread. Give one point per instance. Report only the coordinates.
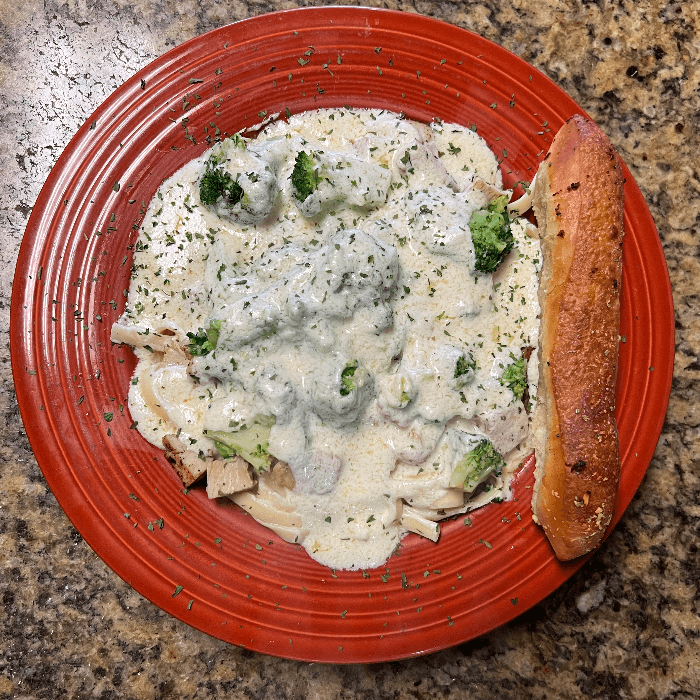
(578, 201)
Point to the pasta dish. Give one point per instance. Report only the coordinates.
(336, 325)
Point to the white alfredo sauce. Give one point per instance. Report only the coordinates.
(373, 272)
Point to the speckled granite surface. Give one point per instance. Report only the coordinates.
(627, 625)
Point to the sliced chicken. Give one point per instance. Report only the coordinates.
(506, 428)
(187, 464)
(226, 477)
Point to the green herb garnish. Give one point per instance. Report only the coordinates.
(347, 378)
(204, 341)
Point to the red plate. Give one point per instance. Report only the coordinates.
(212, 566)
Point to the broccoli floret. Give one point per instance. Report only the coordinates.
(464, 365)
(324, 180)
(205, 340)
(305, 177)
(216, 183)
(491, 234)
(250, 442)
(347, 378)
(515, 377)
(476, 465)
(237, 183)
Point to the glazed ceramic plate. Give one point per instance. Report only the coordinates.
(210, 565)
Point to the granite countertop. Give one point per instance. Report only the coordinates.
(626, 625)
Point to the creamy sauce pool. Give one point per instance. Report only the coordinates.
(341, 320)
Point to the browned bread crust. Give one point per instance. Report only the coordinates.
(578, 202)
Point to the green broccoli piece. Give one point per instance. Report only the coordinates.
(476, 465)
(250, 442)
(205, 340)
(515, 377)
(347, 378)
(464, 365)
(305, 177)
(216, 183)
(491, 234)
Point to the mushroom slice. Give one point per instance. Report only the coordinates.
(279, 477)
